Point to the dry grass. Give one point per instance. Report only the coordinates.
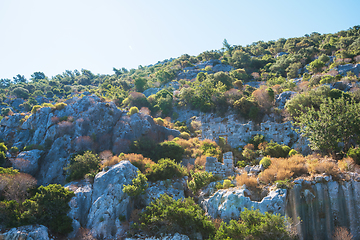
(347, 164)
(284, 168)
(250, 182)
(325, 165)
(106, 163)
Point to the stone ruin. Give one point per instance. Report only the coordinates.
(217, 168)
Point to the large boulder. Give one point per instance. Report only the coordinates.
(109, 202)
(30, 232)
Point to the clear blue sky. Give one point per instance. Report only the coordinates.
(52, 36)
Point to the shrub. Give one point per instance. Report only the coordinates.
(293, 152)
(132, 111)
(49, 207)
(60, 106)
(50, 105)
(165, 169)
(354, 153)
(14, 185)
(184, 216)
(211, 149)
(142, 163)
(14, 150)
(256, 140)
(185, 135)
(284, 168)
(6, 111)
(199, 180)
(250, 182)
(169, 149)
(10, 213)
(82, 164)
(227, 183)
(266, 162)
(274, 149)
(318, 167)
(138, 186)
(33, 146)
(159, 121)
(254, 225)
(35, 108)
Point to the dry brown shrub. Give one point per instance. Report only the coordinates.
(249, 146)
(105, 155)
(303, 86)
(190, 167)
(262, 146)
(262, 97)
(139, 161)
(191, 147)
(195, 125)
(14, 187)
(347, 164)
(110, 162)
(250, 182)
(342, 233)
(284, 168)
(200, 161)
(316, 166)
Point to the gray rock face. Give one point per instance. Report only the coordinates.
(228, 203)
(150, 91)
(99, 206)
(28, 161)
(283, 97)
(324, 205)
(85, 123)
(174, 188)
(343, 69)
(30, 232)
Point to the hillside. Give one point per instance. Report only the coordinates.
(277, 123)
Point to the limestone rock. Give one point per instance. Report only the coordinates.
(283, 97)
(109, 202)
(228, 203)
(29, 232)
(28, 161)
(176, 236)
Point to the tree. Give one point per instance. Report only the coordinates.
(21, 92)
(19, 79)
(81, 165)
(337, 121)
(38, 76)
(315, 66)
(140, 84)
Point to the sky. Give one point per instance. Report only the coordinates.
(52, 36)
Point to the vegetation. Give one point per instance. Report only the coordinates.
(82, 164)
(138, 186)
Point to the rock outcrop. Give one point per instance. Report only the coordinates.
(100, 206)
(86, 123)
(229, 203)
(30, 232)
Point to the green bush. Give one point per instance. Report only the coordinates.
(49, 207)
(14, 149)
(138, 186)
(211, 149)
(10, 213)
(256, 140)
(254, 225)
(33, 146)
(184, 216)
(133, 110)
(82, 164)
(185, 135)
(293, 152)
(165, 169)
(274, 149)
(354, 153)
(9, 171)
(60, 106)
(169, 149)
(266, 162)
(199, 180)
(35, 108)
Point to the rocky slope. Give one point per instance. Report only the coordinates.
(86, 123)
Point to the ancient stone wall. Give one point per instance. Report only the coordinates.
(217, 168)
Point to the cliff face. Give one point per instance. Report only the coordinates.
(85, 123)
(323, 206)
